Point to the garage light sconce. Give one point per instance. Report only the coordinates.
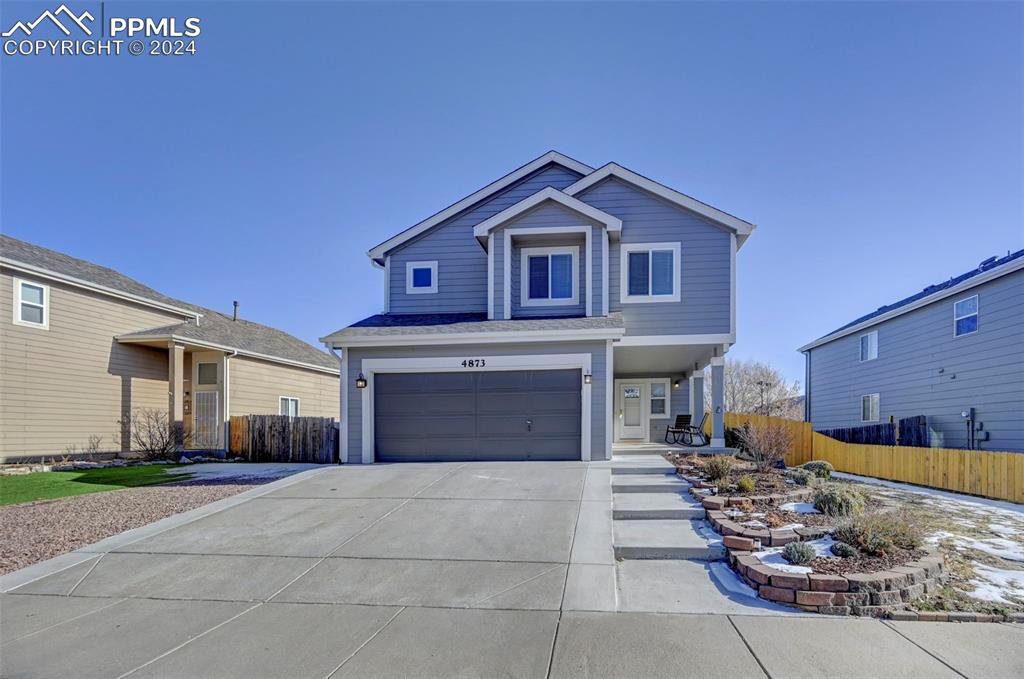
(588, 378)
(360, 382)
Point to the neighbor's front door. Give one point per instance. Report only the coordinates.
(631, 411)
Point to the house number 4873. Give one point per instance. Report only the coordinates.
(474, 363)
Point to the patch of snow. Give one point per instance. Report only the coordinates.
(733, 512)
(756, 515)
(755, 524)
(791, 526)
(969, 502)
(937, 537)
(772, 556)
(1003, 529)
(995, 584)
(1001, 547)
(799, 508)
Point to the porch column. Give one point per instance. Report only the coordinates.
(175, 382)
(718, 401)
(696, 397)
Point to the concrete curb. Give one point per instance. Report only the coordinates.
(62, 562)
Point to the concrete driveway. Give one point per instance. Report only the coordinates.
(419, 570)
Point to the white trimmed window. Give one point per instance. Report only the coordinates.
(289, 406)
(869, 408)
(548, 276)
(420, 278)
(649, 272)
(31, 304)
(965, 316)
(869, 346)
(659, 399)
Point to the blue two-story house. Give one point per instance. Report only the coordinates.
(553, 312)
(953, 352)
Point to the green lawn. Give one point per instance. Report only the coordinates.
(50, 485)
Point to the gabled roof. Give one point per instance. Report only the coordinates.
(611, 222)
(990, 269)
(198, 325)
(377, 252)
(741, 228)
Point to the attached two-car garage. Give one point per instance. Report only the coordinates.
(477, 415)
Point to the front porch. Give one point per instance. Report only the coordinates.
(655, 380)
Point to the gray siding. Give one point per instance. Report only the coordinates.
(599, 413)
(704, 306)
(922, 369)
(462, 263)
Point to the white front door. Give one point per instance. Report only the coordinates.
(631, 411)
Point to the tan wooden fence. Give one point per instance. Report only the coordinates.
(279, 438)
(993, 474)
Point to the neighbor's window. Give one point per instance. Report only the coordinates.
(289, 406)
(869, 346)
(650, 272)
(659, 398)
(420, 277)
(869, 408)
(206, 373)
(965, 316)
(31, 304)
(549, 276)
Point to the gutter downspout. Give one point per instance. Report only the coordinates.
(342, 421)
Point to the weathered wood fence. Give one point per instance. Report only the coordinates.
(993, 474)
(279, 438)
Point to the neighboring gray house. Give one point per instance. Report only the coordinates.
(953, 352)
(552, 312)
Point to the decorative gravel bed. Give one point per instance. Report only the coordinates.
(37, 531)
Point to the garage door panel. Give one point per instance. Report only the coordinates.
(478, 415)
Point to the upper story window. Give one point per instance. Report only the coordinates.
(869, 408)
(420, 278)
(289, 406)
(869, 346)
(31, 304)
(650, 272)
(548, 276)
(965, 316)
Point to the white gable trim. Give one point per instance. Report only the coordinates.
(741, 228)
(991, 274)
(454, 209)
(611, 223)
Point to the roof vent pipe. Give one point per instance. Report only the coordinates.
(234, 316)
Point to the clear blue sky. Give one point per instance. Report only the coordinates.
(878, 147)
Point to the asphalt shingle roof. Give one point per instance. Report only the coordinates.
(932, 289)
(214, 327)
(383, 325)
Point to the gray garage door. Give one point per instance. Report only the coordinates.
(500, 415)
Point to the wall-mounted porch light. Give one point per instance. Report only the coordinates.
(588, 378)
(360, 382)
(675, 384)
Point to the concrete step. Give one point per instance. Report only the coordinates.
(669, 506)
(648, 483)
(664, 539)
(626, 452)
(665, 469)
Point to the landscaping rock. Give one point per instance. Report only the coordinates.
(828, 583)
(790, 580)
(786, 596)
(815, 598)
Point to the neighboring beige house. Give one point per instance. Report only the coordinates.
(81, 345)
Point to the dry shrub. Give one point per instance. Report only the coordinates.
(839, 501)
(718, 467)
(746, 484)
(798, 553)
(767, 444)
(879, 533)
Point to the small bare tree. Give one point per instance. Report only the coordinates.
(757, 388)
(767, 444)
(152, 433)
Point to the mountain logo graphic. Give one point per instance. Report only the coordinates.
(78, 20)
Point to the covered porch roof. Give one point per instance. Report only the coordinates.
(668, 355)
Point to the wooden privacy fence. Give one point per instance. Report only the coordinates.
(279, 438)
(993, 474)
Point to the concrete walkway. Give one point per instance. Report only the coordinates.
(429, 570)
